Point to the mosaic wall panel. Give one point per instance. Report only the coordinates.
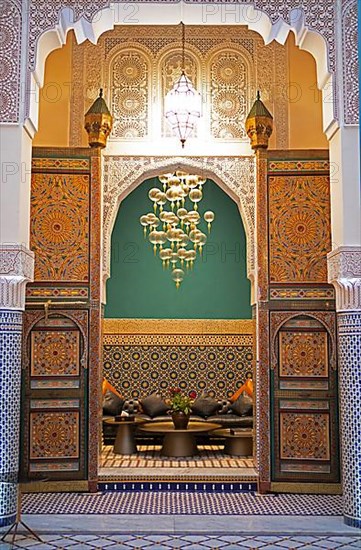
(304, 436)
(10, 379)
(59, 230)
(299, 228)
(129, 94)
(55, 353)
(54, 435)
(303, 354)
(137, 370)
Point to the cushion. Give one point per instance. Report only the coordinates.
(247, 387)
(205, 406)
(154, 405)
(107, 386)
(112, 404)
(243, 406)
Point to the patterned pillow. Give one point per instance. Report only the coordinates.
(243, 406)
(247, 387)
(153, 405)
(112, 404)
(205, 406)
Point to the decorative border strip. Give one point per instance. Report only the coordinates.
(302, 293)
(308, 165)
(205, 340)
(81, 164)
(189, 487)
(178, 326)
(56, 292)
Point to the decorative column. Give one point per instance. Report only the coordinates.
(259, 127)
(16, 269)
(344, 272)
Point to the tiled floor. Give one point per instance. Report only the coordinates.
(211, 464)
(293, 522)
(148, 456)
(181, 503)
(190, 542)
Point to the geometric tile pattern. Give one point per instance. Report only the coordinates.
(299, 230)
(304, 436)
(148, 456)
(54, 434)
(10, 373)
(303, 354)
(138, 370)
(166, 541)
(181, 503)
(54, 353)
(59, 229)
(349, 350)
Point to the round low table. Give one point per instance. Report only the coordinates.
(125, 441)
(238, 444)
(177, 443)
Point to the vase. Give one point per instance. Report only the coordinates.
(180, 420)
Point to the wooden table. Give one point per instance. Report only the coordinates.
(177, 443)
(125, 441)
(237, 444)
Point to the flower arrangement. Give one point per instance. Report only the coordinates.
(179, 402)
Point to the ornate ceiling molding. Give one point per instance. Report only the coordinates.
(235, 175)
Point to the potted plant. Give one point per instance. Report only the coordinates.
(180, 407)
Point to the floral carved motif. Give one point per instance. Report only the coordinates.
(229, 83)
(60, 226)
(55, 353)
(305, 436)
(303, 353)
(153, 56)
(128, 94)
(54, 435)
(299, 228)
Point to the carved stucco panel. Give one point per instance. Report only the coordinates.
(10, 53)
(265, 69)
(350, 63)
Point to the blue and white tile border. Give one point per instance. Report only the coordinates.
(16, 270)
(10, 382)
(344, 268)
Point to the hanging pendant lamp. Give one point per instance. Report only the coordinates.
(183, 104)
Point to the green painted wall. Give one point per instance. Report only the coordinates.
(216, 288)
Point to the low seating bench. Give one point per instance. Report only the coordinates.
(224, 417)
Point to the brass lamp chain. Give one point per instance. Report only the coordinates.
(183, 46)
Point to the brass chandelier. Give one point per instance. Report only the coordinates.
(174, 232)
